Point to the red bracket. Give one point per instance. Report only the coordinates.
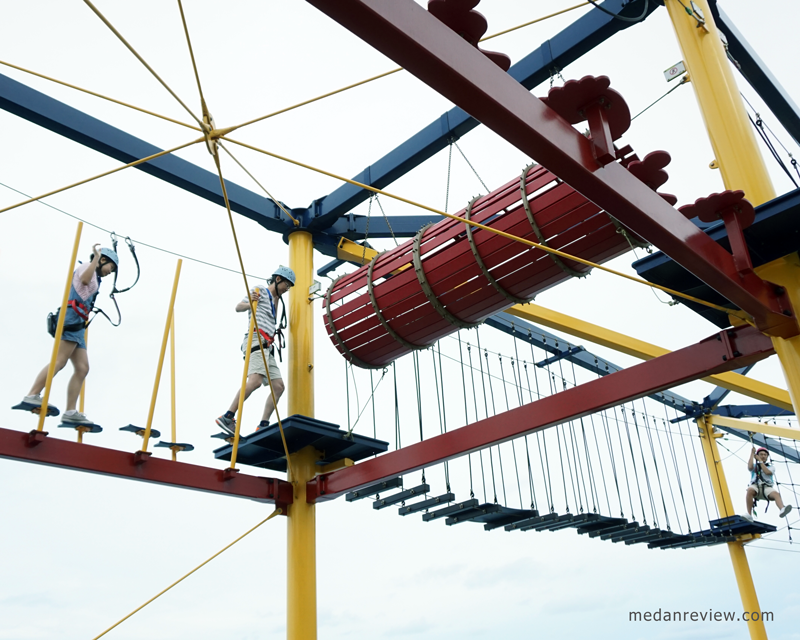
(592, 99)
(36, 437)
(140, 457)
(736, 213)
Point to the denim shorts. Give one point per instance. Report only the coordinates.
(75, 336)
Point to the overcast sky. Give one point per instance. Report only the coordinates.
(81, 551)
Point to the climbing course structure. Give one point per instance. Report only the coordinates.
(480, 415)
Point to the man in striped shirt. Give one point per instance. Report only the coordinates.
(267, 298)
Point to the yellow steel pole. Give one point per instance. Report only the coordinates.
(786, 273)
(173, 421)
(51, 370)
(161, 357)
(741, 568)
(240, 410)
(732, 137)
(301, 574)
(736, 149)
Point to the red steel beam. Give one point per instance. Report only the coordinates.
(724, 351)
(30, 447)
(420, 43)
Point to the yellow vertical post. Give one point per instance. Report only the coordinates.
(786, 273)
(173, 418)
(240, 411)
(741, 568)
(736, 149)
(301, 574)
(161, 357)
(51, 370)
(732, 137)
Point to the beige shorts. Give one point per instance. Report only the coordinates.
(763, 491)
(257, 366)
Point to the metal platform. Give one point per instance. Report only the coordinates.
(264, 448)
(773, 234)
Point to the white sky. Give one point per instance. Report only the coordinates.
(83, 550)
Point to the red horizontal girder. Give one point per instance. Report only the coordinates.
(421, 44)
(36, 447)
(724, 351)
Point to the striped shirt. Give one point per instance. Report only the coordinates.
(265, 315)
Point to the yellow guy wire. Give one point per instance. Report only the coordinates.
(250, 301)
(194, 64)
(209, 121)
(161, 353)
(228, 130)
(51, 369)
(101, 175)
(269, 195)
(240, 411)
(503, 234)
(116, 624)
(142, 60)
(100, 95)
(527, 24)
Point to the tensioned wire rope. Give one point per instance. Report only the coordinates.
(274, 113)
(215, 134)
(221, 132)
(246, 533)
(214, 150)
(328, 94)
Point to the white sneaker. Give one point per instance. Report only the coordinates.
(747, 517)
(35, 399)
(76, 417)
(785, 510)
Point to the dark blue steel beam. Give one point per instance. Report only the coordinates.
(751, 411)
(760, 440)
(71, 123)
(555, 54)
(354, 227)
(758, 75)
(556, 345)
(719, 393)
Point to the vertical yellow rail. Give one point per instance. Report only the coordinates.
(51, 370)
(161, 357)
(741, 568)
(732, 137)
(786, 273)
(301, 574)
(173, 417)
(240, 410)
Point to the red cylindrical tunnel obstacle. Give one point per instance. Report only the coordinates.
(452, 275)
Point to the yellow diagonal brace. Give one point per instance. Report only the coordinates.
(350, 251)
(646, 351)
(756, 427)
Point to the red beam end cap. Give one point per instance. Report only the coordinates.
(712, 208)
(572, 100)
(469, 24)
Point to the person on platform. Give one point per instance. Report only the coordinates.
(267, 298)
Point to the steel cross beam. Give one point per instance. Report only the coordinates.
(580, 37)
(727, 350)
(39, 449)
(438, 56)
